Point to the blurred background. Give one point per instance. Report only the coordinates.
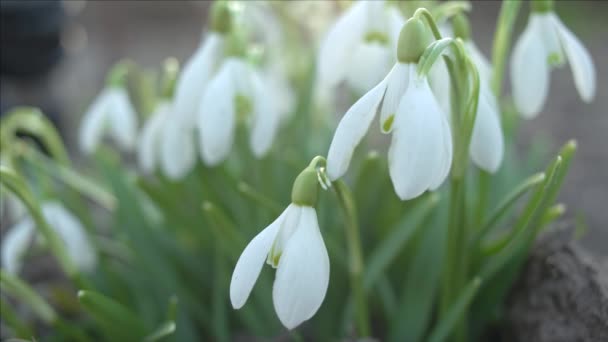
(55, 55)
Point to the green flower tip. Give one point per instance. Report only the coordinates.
(170, 73)
(221, 18)
(461, 26)
(541, 6)
(118, 73)
(413, 40)
(305, 190)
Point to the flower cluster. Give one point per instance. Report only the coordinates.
(429, 85)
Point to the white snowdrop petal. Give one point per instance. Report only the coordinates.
(583, 69)
(336, 49)
(15, 244)
(417, 155)
(72, 233)
(445, 155)
(303, 273)
(249, 265)
(122, 119)
(266, 118)
(487, 145)
(546, 28)
(439, 79)
(368, 63)
(216, 120)
(397, 82)
(286, 230)
(530, 71)
(178, 155)
(195, 75)
(351, 130)
(93, 123)
(149, 144)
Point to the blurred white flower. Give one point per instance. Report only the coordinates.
(150, 138)
(111, 111)
(420, 155)
(544, 44)
(18, 239)
(178, 152)
(237, 92)
(294, 246)
(360, 46)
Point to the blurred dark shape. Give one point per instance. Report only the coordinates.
(30, 37)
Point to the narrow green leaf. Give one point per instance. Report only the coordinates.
(164, 330)
(20, 329)
(30, 120)
(422, 278)
(115, 320)
(445, 327)
(505, 205)
(22, 291)
(388, 249)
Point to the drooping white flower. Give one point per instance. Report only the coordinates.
(178, 152)
(236, 87)
(15, 244)
(151, 138)
(420, 155)
(359, 47)
(112, 112)
(544, 44)
(265, 36)
(68, 228)
(487, 143)
(294, 246)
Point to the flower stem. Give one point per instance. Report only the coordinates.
(502, 39)
(355, 269)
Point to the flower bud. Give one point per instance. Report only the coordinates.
(541, 6)
(413, 40)
(306, 188)
(461, 26)
(118, 73)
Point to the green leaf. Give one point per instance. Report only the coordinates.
(30, 120)
(164, 330)
(115, 320)
(22, 291)
(417, 294)
(20, 329)
(388, 249)
(505, 205)
(455, 312)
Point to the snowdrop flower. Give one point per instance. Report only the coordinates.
(420, 155)
(18, 239)
(111, 111)
(294, 246)
(191, 84)
(359, 47)
(487, 143)
(236, 93)
(265, 34)
(547, 43)
(151, 138)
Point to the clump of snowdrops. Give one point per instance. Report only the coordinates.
(243, 158)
